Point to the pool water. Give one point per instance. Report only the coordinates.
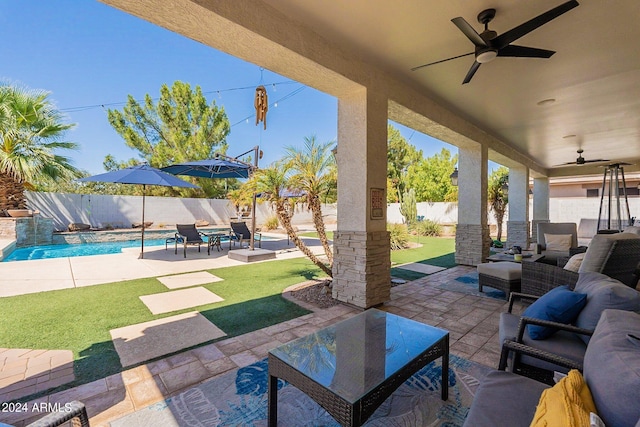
(84, 249)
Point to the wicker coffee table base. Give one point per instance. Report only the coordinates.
(344, 412)
(507, 286)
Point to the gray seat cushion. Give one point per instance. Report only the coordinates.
(603, 292)
(561, 343)
(502, 270)
(504, 399)
(612, 368)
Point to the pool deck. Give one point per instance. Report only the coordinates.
(23, 277)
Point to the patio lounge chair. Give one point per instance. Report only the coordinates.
(188, 234)
(240, 232)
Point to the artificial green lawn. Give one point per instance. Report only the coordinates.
(79, 319)
(438, 251)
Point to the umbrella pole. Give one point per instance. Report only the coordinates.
(144, 190)
(253, 208)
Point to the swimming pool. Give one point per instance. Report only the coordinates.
(83, 249)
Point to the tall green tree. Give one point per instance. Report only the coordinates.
(31, 139)
(400, 156)
(313, 172)
(497, 196)
(181, 126)
(271, 182)
(431, 179)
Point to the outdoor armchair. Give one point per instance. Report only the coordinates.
(188, 234)
(240, 233)
(555, 239)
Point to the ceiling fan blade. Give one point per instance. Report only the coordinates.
(525, 52)
(442, 60)
(471, 72)
(597, 160)
(469, 31)
(515, 33)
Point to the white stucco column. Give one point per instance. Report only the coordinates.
(540, 205)
(472, 231)
(362, 261)
(518, 222)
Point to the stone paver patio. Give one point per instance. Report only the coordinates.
(472, 322)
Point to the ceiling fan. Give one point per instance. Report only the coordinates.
(581, 160)
(489, 44)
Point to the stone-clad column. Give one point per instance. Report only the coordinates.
(472, 231)
(518, 223)
(540, 206)
(362, 258)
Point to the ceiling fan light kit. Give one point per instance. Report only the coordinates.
(489, 45)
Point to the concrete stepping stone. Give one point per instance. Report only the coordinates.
(178, 300)
(148, 340)
(187, 280)
(421, 268)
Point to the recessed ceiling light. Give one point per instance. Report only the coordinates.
(547, 101)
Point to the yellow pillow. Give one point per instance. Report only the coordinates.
(566, 404)
(557, 242)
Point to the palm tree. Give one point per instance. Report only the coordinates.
(314, 173)
(497, 196)
(30, 133)
(271, 182)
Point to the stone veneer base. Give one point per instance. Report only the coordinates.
(518, 234)
(472, 244)
(362, 267)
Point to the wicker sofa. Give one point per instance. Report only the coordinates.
(570, 342)
(611, 372)
(615, 255)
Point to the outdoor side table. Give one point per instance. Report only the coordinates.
(213, 239)
(350, 368)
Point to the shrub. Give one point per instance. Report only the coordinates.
(427, 228)
(271, 223)
(399, 236)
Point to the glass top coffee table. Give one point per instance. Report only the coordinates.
(351, 367)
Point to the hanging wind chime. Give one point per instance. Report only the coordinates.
(262, 105)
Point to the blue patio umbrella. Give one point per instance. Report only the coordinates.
(211, 168)
(227, 167)
(144, 175)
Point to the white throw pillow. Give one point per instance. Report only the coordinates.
(574, 262)
(557, 242)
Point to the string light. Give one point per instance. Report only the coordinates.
(287, 96)
(219, 92)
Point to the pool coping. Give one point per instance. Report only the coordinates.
(6, 247)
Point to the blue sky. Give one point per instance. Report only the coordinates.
(89, 55)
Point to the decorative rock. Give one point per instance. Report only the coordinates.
(147, 224)
(78, 226)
